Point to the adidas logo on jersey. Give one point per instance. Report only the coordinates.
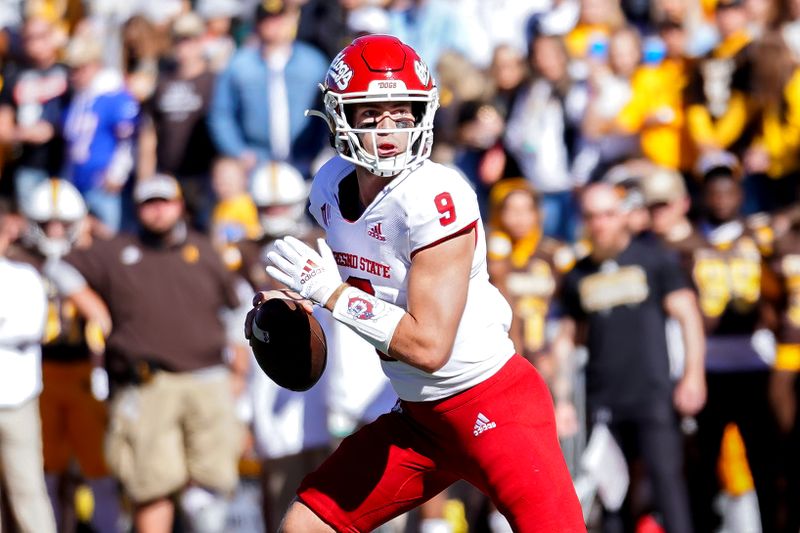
(482, 424)
(375, 232)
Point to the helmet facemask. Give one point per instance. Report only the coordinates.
(52, 247)
(347, 139)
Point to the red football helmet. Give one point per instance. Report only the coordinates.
(380, 68)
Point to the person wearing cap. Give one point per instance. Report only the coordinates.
(174, 136)
(99, 128)
(172, 429)
(666, 197)
(716, 94)
(258, 109)
(722, 254)
(32, 101)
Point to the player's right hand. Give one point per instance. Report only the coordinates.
(262, 296)
(313, 275)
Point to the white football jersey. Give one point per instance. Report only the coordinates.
(416, 210)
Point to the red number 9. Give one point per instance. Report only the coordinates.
(444, 204)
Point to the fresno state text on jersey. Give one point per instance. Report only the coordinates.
(418, 209)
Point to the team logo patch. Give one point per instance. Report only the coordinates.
(375, 232)
(340, 72)
(422, 71)
(190, 253)
(130, 255)
(360, 308)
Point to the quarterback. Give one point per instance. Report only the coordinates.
(404, 266)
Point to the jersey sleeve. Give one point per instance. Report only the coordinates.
(443, 207)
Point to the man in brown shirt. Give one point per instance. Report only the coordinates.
(172, 423)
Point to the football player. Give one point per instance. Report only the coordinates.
(723, 256)
(404, 266)
(73, 415)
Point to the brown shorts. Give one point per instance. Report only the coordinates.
(73, 421)
(179, 427)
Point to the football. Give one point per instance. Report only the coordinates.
(289, 344)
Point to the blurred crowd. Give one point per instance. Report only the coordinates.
(150, 152)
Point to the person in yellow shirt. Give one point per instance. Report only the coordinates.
(773, 158)
(235, 216)
(655, 110)
(716, 101)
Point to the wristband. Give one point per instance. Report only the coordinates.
(371, 318)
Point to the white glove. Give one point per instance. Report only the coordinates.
(313, 275)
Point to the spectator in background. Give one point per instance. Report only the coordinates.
(732, 283)
(143, 45)
(73, 414)
(173, 430)
(610, 90)
(716, 94)
(655, 110)
(508, 72)
(617, 300)
(174, 138)
(479, 152)
(259, 103)
(218, 44)
(32, 102)
(667, 199)
(526, 266)
(22, 318)
(543, 134)
(99, 131)
(235, 216)
(773, 160)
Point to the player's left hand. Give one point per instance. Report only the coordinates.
(313, 275)
(690, 394)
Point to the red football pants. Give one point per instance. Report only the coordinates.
(499, 435)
